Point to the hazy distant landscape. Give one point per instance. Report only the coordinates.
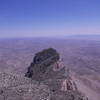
(81, 56)
(49, 49)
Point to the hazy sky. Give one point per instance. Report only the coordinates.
(49, 17)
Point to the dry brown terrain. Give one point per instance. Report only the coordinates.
(81, 56)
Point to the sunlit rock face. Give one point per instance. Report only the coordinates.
(68, 85)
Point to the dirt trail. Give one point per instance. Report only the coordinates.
(91, 94)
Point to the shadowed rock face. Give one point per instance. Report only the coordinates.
(42, 56)
(41, 62)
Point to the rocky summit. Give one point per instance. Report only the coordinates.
(47, 68)
(45, 80)
(41, 63)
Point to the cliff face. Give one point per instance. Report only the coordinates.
(47, 68)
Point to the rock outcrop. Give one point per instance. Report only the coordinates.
(45, 80)
(41, 63)
(47, 68)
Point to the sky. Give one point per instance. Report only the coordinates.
(36, 18)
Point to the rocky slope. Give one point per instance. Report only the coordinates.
(47, 68)
(82, 56)
(47, 81)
